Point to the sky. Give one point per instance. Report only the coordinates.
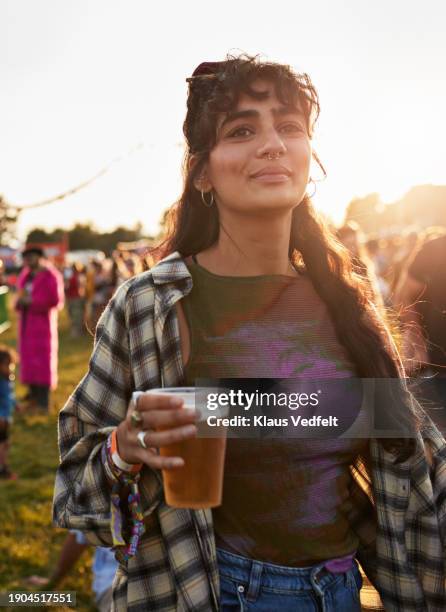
(87, 82)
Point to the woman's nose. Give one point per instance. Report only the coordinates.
(272, 144)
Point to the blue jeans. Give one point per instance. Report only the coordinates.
(247, 585)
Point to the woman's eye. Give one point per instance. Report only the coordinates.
(290, 128)
(240, 132)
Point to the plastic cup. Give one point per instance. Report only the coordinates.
(199, 483)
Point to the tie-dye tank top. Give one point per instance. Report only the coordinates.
(285, 500)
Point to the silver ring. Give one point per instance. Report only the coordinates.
(136, 418)
(140, 438)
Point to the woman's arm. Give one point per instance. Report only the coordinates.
(99, 403)
(86, 485)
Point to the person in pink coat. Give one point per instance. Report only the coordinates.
(40, 296)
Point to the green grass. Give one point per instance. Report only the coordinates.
(29, 544)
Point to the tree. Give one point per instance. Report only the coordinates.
(85, 236)
(39, 235)
(8, 221)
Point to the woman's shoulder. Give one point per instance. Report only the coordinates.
(143, 287)
(131, 305)
(139, 286)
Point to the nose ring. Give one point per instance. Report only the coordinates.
(271, 156)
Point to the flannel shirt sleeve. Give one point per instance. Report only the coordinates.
(99, 403)
(435, 447)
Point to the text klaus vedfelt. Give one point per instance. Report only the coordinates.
(247, 401)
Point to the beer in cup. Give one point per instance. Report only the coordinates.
(199, 483)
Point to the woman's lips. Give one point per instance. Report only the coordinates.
(272, 174)
(272, 178)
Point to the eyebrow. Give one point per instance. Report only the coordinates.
(253, 114)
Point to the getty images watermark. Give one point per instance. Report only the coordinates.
(322, 408)
(247, 401)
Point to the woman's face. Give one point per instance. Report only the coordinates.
(239, 171)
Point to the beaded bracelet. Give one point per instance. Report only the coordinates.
(130, 479)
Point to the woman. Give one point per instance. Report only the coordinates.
(251, 285)
(40, 296)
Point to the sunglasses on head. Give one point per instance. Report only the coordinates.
(206, 70)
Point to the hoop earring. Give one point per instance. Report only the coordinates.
(203, 199)
(310, 195)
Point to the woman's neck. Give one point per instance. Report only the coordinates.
(250, 248)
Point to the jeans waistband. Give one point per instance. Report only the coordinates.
(255, 573)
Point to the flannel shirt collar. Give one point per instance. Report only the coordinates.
(171, 269)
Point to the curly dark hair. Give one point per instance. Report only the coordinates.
(191, 227)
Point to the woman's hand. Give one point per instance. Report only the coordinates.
(25, 300)
(158, 412)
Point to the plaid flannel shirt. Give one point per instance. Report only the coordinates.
(137, 347)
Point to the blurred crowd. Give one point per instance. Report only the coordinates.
(41, 289)
(387, 259)
(407, 276)
(88, 288)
